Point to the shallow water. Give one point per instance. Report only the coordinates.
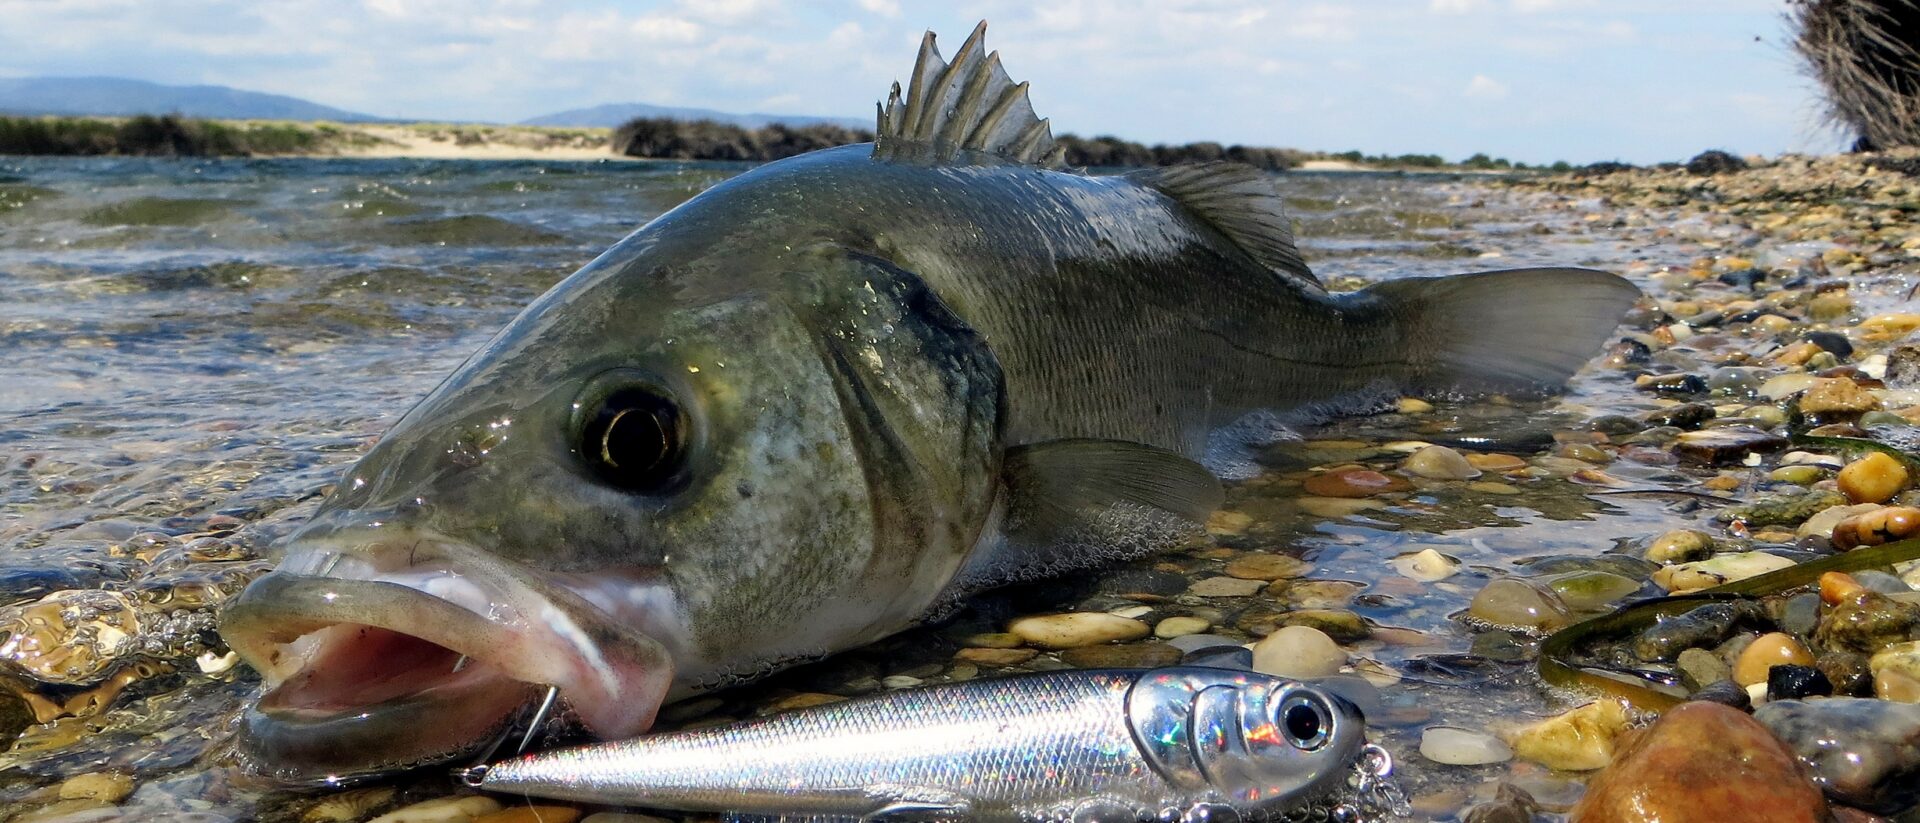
(191, 342)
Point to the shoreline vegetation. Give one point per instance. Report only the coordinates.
(641, 139)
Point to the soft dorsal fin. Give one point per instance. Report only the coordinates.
(1242, 203)
(962, 112)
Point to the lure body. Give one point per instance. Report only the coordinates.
(1181, 743)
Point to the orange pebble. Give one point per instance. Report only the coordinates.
(1838, 587)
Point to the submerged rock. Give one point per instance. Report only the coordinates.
(1727, 446)
(1863, 752)
(1519, 605)
(1067, 631)
(1354, 482)
(1713, 571)
(1680, 546)
(1865, 621)
(1702, 763)
(1462, 747)
(1439, 463)
(1298, 652)
(1579, 740)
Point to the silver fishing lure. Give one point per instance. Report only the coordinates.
(1185, 744)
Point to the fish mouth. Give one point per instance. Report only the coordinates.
(389, 655)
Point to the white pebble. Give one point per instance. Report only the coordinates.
(1075, 629)
(1298, 652)
(1439, 463)
(1426, 566)
(1462, 747)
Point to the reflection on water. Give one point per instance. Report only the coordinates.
(196, 349)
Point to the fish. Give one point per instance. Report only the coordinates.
(1184, 743)
(825, 401)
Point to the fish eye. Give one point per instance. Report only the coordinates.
(633, 435)
(1306, 722)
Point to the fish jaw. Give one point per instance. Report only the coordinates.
(384, 657)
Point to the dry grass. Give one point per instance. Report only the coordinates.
(1866, 53)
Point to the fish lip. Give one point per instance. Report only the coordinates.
(528, 629)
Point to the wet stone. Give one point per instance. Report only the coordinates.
(531, 814)
(1439, 463)
(1581, 739)
(1341, 625)
(1142, 581)
(1896, 672)
(1702, 763)
(1718, 569)
(1699, 668)
(1519, 605)
(1764, 653)
(1066, 631)
(1831, 398)
(1591, 589)
(1462, 747)
(1874, 478)
(1128, 655)
(1702, 627)
(1726, 446)
(1680, 546)
(1864, 753)
(1257, 566)
(464, 809)
(1848, 672)
(1180, 626)
(1298, 652)
(1426, 566)
(1227, 587)
(1354, 483)
(1866, 621)
(1683, 416)
(1789, 681)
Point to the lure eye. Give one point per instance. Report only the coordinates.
(633, 435)
(1306, 722)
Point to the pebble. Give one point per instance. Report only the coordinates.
(992, 640)
(1875, 478)
(1769, 650)
(1875, 525)
(1180, 626)
(1702, 763)
(1591, 589)
(1823, 522)
(1462, 747)
(1353, 483)
(1076, 629)
(1519, 605)
(1797, 475)
(1865, 753)
(1699, 668)
(531, 814)
(1726, 446)
(1837, 396)
(1260, 566)
(1493, 487)
(1786, 385)
(463, 809)
(1229, 524)
(1575, 741)
(1414, 405)
(995, 658)
(1680, 546)
(1226, 587)
(1298, 652)
(1495, 462)
(1789, 682)
(347, 806)
(1426, 566)
(1439, 463)
(1125, 656)
(1896, 672)
(106, 787)
(1713, 571)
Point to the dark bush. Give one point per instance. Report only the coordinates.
(1715, 161)
(1866, 55)
(150, 135)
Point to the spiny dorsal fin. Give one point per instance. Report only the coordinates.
(962, 112)
(1241, 202)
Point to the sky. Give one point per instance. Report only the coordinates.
(1530, 80)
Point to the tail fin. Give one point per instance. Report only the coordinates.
(1521, 330)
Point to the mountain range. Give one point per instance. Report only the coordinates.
(122, 97)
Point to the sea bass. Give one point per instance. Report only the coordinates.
(1097, 746)
(818, 404)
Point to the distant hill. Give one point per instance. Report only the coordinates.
(613, 114)
(121, 97)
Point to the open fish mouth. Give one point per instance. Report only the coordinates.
(391, 655)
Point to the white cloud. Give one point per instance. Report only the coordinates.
(1456, 6)
(1482, 87)
(884, 8)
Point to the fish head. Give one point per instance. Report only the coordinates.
(700, 458)
(1274, 741)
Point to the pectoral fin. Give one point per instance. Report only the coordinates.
(1072, 504)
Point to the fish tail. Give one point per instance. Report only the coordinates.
(1513, 331)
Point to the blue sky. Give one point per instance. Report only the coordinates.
(1532, 80)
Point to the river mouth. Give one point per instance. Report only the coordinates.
(184, 394)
